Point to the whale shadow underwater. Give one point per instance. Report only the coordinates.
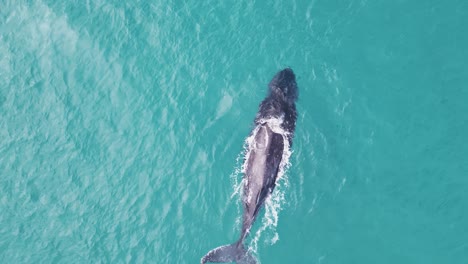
(264, 158)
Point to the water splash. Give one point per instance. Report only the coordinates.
(237, 184)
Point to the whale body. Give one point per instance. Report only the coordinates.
(269, 140)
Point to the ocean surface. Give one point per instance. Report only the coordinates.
(122, 127)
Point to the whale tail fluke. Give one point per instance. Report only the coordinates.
(229, 253)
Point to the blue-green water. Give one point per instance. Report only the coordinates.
(122, 127)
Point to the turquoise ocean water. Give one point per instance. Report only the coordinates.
(122, 125)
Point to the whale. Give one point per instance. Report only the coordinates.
(269, 141)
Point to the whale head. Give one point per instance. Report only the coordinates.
(283, 85)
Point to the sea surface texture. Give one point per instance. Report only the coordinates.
(123, 123)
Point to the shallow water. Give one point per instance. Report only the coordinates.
(122, 127)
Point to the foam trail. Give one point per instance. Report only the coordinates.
(237, 185)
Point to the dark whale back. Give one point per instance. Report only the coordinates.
(281, 101)
(284, 85)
